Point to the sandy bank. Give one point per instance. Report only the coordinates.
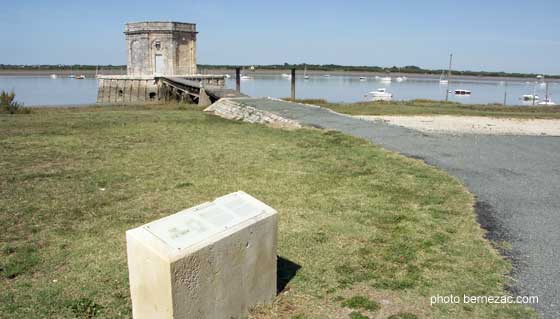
(473, 124)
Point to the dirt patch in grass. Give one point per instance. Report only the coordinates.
(355, 220)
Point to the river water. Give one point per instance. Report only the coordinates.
(42, 90)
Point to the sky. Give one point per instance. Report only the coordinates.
(511, 36)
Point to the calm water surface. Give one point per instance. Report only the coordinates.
(33, 91)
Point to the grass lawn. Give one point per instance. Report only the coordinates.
(429, 107)
(376, 234)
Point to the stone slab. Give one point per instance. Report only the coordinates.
(215, 260)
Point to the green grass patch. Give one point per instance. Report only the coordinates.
(357, 315)
(361, 302)
(356, 220)
(429, 107)
(403, 316)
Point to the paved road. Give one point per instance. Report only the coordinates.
(516, 180)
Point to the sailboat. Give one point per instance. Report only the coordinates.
(547, 101)
(305, 76)
(442, 80)
(72, 76)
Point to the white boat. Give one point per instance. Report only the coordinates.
(547, 102)
(72, 76)
(462, 92)
(227, 76)
(80, 77)
(529, 97)
(286, 75)
(385, 79)
(53, 76)
(400, 79)
(380, 94)
(363, 78)
(326, 75)
(441, 79)
(245, 77)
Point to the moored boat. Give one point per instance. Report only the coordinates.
(380, 94)
(461, 92)
(529, 97)
(547, 102)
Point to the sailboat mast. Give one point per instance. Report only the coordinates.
(448, 77)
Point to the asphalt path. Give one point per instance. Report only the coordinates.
(516, 180)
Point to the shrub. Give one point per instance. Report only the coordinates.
(9, 105)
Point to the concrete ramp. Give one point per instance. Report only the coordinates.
(239, 109)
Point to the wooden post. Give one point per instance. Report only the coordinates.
(293, 96)
(238, 79)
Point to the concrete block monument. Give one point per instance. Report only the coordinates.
(215, 260)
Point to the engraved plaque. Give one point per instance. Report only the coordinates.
(194, 225)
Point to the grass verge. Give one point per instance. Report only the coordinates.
(368, 228)
(429, 107)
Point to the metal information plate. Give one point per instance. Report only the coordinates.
(193, 225)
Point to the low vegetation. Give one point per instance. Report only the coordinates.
(365, 233)
(430, 107)
(8, 104)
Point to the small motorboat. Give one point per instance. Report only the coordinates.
(529, 97)
(306, 77)
(380, 94)
(227, 76)
(72, 76)
(461, 92)
(547, 102)
(326, 75)
(363, 78)
(53, 76)
(401, 79)
(246, 77)
(286, 75)
(80, 77)
(385, 79)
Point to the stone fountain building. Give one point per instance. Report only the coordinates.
(161, 48)
(154, 50)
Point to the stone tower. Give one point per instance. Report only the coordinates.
(161, 48)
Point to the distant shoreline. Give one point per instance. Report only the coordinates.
(91, 73)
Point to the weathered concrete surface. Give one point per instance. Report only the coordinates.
(516, 180)
(236, 109)
(215, 260)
